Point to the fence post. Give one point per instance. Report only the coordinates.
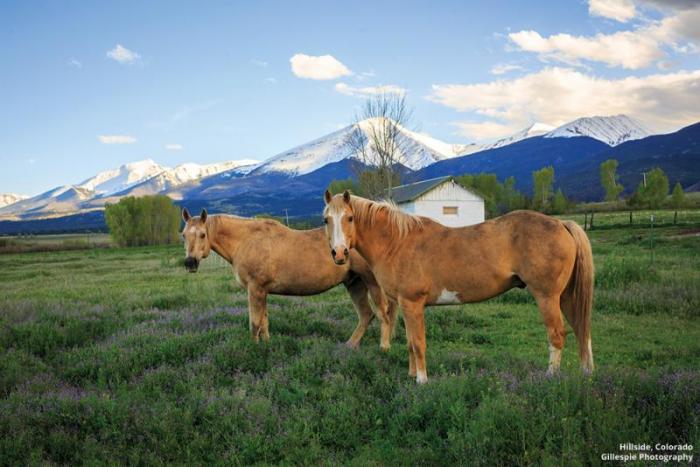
(585, 221)
(630, 217)
(591, 226)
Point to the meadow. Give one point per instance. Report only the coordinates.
(112, 356)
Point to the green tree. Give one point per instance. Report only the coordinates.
(511, 197)
(559, 203)
(608, 178)
(339, 186)
(148, 220)
(499, 198)
(677, 200)
(654, 192)
(542, 181)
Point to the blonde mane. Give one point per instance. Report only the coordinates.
(401, 223)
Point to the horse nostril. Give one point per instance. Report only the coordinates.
(333, 253)
(347, 252)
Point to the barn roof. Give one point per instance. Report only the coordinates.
(406, 193)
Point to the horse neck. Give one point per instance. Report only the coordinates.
(374, 237)
(222, 237)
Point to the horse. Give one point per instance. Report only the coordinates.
(270, 258)
(418, 261)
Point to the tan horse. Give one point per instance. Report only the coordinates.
(269, 258)
(420, 262)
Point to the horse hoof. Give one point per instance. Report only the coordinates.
(384, 348)
(352, 345)
(421, 378)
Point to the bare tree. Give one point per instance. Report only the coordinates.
(376, 142)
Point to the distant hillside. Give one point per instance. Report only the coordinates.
(678, 154)
(520, 159)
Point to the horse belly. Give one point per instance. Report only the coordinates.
(469, 291)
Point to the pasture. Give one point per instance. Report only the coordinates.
(120, 356)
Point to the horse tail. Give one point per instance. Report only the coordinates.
(579, 294)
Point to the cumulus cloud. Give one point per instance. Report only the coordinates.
(173, 147)
(369, 90)
(503, 68)
(321, 67)
(619, 10)
(628, 49)
(116, 139)
(122, 54)
(632, 49)
(664, 102)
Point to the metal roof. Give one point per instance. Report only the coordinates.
(406, 193)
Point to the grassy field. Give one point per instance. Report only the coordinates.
(58, 242)
(119, 356)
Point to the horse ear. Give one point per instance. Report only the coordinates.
(327, 196)
(185, 215)
(346, 197)
(203, 215)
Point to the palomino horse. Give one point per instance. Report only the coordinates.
(420, 262)
(269, 258)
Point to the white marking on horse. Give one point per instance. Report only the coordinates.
(554, 359)
(448, 297)
(421, 377)
(338, 235)
(588, 364)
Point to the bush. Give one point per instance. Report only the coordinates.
(149, 220)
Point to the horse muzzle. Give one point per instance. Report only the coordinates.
(340, 255)
(191, 264)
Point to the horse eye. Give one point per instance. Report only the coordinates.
(325, 220)
(203, 235)
(350, 219)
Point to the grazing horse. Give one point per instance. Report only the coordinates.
(420, 262)
(270, 258)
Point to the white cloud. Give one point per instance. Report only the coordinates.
(369, 90)
(628, 49)
(174, 147)
(619, 10)
(502, 68)
(664, 102)
(632, 49)
(116, 139)
(122, 54)
(260, 63)
(320, 67)
(75, 63)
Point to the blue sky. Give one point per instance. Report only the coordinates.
(87, 86)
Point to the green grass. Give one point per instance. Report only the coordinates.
(119, 356)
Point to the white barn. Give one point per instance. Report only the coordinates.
(442, 200)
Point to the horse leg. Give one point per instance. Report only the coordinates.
(385, 311)
(360, 300)
(257, 313)
(568, 306)
(556, 333)
(413, 318)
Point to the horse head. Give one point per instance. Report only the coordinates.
(340, 228)
(196, 236)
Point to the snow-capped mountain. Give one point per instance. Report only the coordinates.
(610, 130)
(62, 199)
(136, 178)
(9, 198)
(119, 179)
(536, 129)
(184, 173)
(418, 150)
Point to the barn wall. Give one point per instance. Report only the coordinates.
(470, 206)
